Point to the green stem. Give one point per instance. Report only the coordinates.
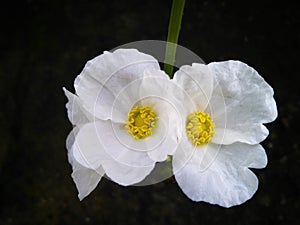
(173, 33)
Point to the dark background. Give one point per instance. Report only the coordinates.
(44, 45)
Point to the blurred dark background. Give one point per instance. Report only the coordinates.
(44, 45)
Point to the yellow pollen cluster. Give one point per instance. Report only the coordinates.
(141, 121)
(199, 128)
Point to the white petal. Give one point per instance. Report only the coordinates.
(156, 147)
(76, 113)
(125, 165)
(248, 100)
(187, 153)
(170, 123)
(93, 148)
(95, 98)
(197, 81)
(227, 181)
(169, 140)
(126, 175)
(87, 148)
(249, 134)
(153, 90)
(106, 75)
(116, 147)
(71, 138)
(153, 83)
(85, 179)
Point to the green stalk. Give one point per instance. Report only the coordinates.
(173, 33)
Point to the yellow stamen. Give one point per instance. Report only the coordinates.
(199, 128)
(141, 121)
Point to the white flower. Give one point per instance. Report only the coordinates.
(124, 119)
(224, 114)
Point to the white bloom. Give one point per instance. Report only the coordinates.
(124, 119)
(224, 115)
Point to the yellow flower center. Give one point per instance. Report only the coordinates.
(141, 121)
(199, 128)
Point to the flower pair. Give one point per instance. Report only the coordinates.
(128, 115)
